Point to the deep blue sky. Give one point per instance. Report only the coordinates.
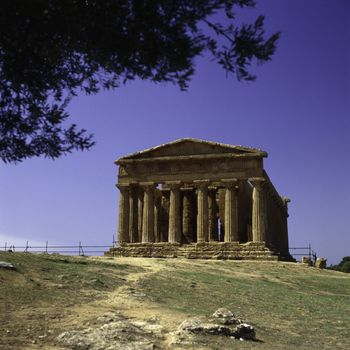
(298, 111)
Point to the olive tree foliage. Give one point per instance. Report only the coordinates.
(51, 50)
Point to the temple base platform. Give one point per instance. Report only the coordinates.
(207, 250)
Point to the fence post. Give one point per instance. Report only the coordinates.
(47, 243)
(81, 249)
(310, 251)
(5, 246)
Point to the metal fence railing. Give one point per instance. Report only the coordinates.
(82, 250)
(79, 249)
(304, 251)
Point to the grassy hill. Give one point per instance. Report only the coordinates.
(290, 305)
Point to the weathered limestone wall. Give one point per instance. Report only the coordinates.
(277, 215)
(217, 250)
(188, 170)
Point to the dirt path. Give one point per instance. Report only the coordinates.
(131, 300)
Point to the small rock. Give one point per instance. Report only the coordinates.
(225, 316)
(306, 261)
(7, 266)
(140, 324)
(245, 331)
(153, 319)
(223, 312)
(221, 323)
(210, 328)
(192, 324)
(152, 328)
(109, 317)
(201, 325)
(321, 263)
(74, 340)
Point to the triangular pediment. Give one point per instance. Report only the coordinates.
(193, 147)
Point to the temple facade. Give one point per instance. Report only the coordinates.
(199, 199)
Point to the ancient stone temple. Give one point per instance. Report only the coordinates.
(199, 199)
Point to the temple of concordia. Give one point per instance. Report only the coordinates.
(199, 199)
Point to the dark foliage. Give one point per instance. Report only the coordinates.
(343, 266)
(52, 49)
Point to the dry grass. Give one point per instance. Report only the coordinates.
(39, 299)
(291, 306)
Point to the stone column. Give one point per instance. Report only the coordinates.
(157, 200)
(148, 214)
(187, 211)
(202, 210)
(249, 233)
(212, 212)
(286, 200)
(123, 217)
(133, 217)
(231, 210)
(258, 213)
(269, 217)
(174, 233)
(140, 195)
(221, 197)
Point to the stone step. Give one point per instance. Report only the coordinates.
(197, 251)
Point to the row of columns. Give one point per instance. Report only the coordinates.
(134, 228)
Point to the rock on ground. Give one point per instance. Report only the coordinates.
(7, 265)
(116, 332)
(225, 316)
(222, 322)
(321, 263)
